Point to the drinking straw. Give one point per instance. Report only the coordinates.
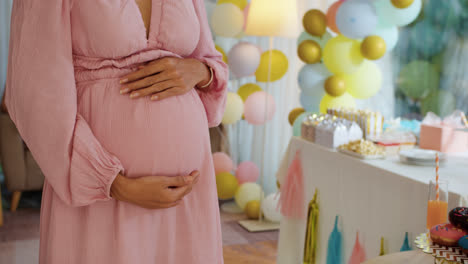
(464, 119)
(437, 176)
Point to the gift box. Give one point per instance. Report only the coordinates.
(443, 134)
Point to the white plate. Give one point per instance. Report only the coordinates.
(421, 155)
(360, 156)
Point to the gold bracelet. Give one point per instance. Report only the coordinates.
(211, 79)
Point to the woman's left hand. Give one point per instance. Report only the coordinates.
(165, 77)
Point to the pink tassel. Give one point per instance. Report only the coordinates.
(291, 201)
(359, 254)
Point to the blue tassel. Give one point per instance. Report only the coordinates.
(406, 246)
(335, 251)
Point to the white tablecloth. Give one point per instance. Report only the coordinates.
(377, 198)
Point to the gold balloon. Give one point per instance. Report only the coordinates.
(403, 3)
(373, 47)
(252, 209)
(309, 51)
(315, 22)
(240, 3)
(225, 58)
(247, 89)
(278, 184)
(279, 66)
(342, 55)
(335, 86)
(294, 114)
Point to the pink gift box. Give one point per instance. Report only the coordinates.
(443, 138)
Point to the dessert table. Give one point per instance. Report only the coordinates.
(413, 257)
(377, 198)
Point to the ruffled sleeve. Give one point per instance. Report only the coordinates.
(42, 101)
(214, 96)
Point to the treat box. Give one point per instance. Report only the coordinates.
(360, 156)
(392, 149)
(443, 138)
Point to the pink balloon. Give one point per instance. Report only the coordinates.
(247, 171)
(255, 106)
(222, 162)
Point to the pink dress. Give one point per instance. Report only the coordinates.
(66, 57)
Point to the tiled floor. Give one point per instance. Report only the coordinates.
(19, 242)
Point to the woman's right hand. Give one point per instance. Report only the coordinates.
(153, 192)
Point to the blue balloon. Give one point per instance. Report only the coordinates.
(389, 34)
(312, 75)
(443, 13)
(428, 40)
(390, 15)
(311, 103)
(298, 124)
(356, 19)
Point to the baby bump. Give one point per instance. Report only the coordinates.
(167, 137)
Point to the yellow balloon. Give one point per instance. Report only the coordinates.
(342, 55)
(234, 109)
(226, 185)
(345, 101)
(365, 82)
(294, 114)
(279, 66)
(315, 22)
(240, 3)
(309, 51)
(247, 89)
(373, 47)
(402, 3)
(335, 86)
(252, 209)
(247, 192)
(225, 58)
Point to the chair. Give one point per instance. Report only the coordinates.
(19, 167)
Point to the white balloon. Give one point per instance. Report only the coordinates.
(310, 76)
(269, 206)
(227, 20)
(391, 15)
(244, 59)
(356, 19)
(389, 34)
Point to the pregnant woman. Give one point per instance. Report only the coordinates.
(114, 98)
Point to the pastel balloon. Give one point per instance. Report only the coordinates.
(222, 162)
(423, 38)
(252, 210)
(298, 123)
(226, 185)
(247, 192)
(342, 55)
(247, 89)
(244, 59)
(234, 109)
(311, 75)
(331, 16)
(389, 34)
(373, 47)
(227, 20)
(279, 66)
(402, 3)
(345, 101)
(322, 41)
(239, 3)
(365, 82)
(309, 52)
(440, 102)
(418, 79)
(225, 58)
(269, 206)
(315, 22)
(391, 15)
(247, 171)
(294, 114)
(312, 103)
(260, 108)
(445, 13)
(356, 19)
(335, 86)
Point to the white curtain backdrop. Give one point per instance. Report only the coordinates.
(5, 10)
(265, 145)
